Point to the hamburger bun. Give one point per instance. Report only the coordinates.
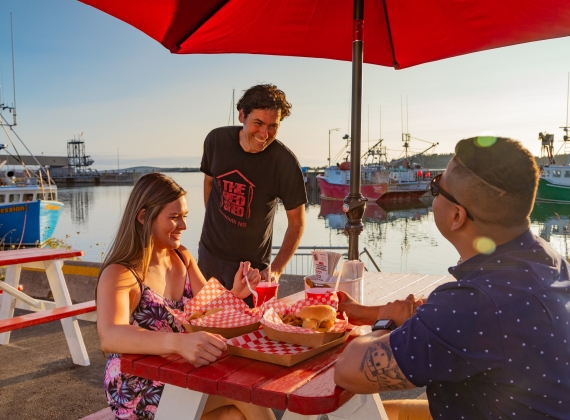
(318, 312)
(318, 317)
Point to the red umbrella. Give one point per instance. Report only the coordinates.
(398, 33)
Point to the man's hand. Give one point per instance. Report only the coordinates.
(357, 314)
(399, 310)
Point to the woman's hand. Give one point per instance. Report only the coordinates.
(201, 348)
(240, 288)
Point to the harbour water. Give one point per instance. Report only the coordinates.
(399, 238)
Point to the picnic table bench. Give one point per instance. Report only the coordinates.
(51, 261)
(304, 390)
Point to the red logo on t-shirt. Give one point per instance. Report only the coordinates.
(237, 193)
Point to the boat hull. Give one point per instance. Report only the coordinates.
(29, 223)
(374, 192)
(551, 192)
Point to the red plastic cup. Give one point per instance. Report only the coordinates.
(265, 291)
(317, 292)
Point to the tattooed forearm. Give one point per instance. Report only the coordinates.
(379, 366)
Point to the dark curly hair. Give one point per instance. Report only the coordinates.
(264, 97)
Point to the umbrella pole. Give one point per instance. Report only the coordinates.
(355, 203)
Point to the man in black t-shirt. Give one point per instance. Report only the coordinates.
(246, 171)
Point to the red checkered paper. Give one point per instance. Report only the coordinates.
(236, 313)
(258, 341)
(272, 319)
(227, 318)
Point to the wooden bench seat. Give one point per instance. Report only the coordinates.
(42, 317)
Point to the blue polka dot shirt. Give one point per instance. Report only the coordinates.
(496, 343)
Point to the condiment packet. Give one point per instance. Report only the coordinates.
(321, 263)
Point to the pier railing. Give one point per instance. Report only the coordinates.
(302, 261)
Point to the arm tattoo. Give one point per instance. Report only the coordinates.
(379, 366)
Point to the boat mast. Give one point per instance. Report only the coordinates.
(566, 128)
(3, 107)
(405, 135)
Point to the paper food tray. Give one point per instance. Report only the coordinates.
(224, 332)
(277, 330)
(258, 346)
(309, 340)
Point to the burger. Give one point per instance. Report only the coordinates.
(317, 317)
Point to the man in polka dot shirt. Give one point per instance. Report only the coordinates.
(496, 343)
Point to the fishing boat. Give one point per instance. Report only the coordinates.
(554, 182)
(29, 211)
(399, 180)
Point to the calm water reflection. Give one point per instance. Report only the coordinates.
(400, 238)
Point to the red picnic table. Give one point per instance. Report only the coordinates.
(51, 261)
(304, 390)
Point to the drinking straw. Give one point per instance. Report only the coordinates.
(338, 277)
(269, 273)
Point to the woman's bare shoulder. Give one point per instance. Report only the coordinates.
(119, 275)
(188, 258)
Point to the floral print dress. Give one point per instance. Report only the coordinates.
(132, 397)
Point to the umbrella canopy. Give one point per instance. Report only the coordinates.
(398, 33)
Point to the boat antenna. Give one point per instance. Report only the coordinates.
(407, 117)
(231, 108)
(380, 122)
(368, 126)
(565, 128)
(406, 135)
(13, 71)
(402, 114)
(1, 85)
(11, 109)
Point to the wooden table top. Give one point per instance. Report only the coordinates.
(306, 388)
(21, 256)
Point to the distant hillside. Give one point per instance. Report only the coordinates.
(435, 161)
(440, 161)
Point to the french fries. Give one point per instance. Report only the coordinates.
(291, 320)
(196, 315)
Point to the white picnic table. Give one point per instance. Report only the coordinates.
(51, 261)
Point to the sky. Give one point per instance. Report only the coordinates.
(79, 70)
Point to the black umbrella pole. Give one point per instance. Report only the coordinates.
(355, 202)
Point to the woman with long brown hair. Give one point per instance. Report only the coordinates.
(145, 272)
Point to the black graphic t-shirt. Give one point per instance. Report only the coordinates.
(238, 225)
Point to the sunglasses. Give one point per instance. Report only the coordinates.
(435, 190)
